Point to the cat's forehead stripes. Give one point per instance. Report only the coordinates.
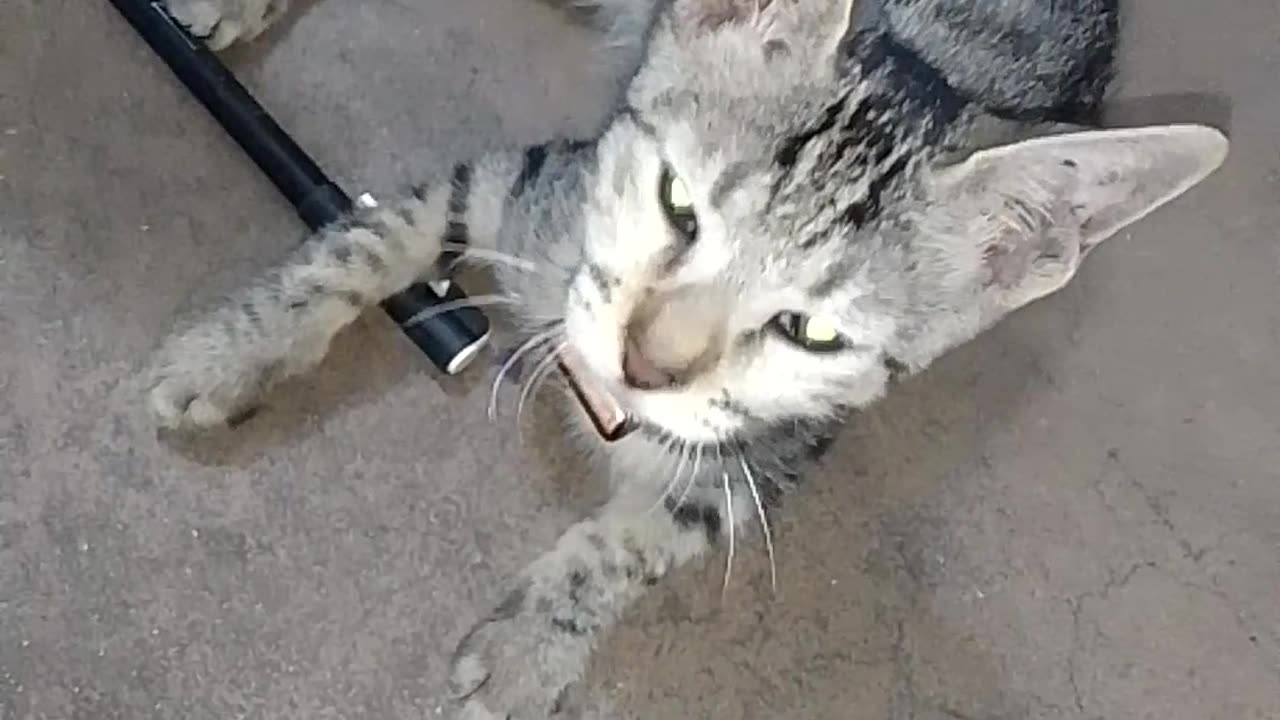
(730, 179)
(834, 276)
(834, 172)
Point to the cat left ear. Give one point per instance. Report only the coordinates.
(1023, 216)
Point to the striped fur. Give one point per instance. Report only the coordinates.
(834, 156)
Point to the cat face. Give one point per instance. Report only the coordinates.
(692, 302)
(772, 220)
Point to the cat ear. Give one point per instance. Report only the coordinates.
(1023, 216)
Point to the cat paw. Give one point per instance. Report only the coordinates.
(199, 381)
(223, 22)
(518, 663)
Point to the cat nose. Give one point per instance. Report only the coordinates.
(672, 338)
(642, 373)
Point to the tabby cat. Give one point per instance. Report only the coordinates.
(794, 201)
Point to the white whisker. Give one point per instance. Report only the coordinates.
(728, 504)
(675, 478)
(693, 476)
(450, 306)
(492, 256)
(764, 521)
(524, 349)
(539, 372)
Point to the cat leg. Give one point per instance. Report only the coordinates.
(216, 368)
(519, 660)
(222, 22)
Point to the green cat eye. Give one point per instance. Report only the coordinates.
(815, 334)
(677, 203)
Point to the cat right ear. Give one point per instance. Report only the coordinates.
(1012, 224)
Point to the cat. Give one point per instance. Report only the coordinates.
(795, 202)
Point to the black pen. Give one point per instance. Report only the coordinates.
(451, 339)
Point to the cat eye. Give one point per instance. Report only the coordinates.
(677, 203)
(815, 334)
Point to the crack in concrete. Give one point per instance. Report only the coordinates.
(1076, 605)
(1114, 583)
(1072, 659)
(1157, 507)
(1272, 664)
(1160, 510)
(906, 681)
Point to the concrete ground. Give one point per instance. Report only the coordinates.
(1077, 516)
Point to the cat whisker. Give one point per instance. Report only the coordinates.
(693, 476)
(668, 447)
(450, 306)
(524, 349)
(764, 520)
(675, 445)
(728, 506)
(537, 376)
(490, 256)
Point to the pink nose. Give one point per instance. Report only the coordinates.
(640, 372)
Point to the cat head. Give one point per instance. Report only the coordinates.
(780, 213)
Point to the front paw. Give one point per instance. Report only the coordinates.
(207, 376)
(518, 663)
(222, 22)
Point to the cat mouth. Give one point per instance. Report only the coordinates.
(601, 406)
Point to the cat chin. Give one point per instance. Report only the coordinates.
(682, 418)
